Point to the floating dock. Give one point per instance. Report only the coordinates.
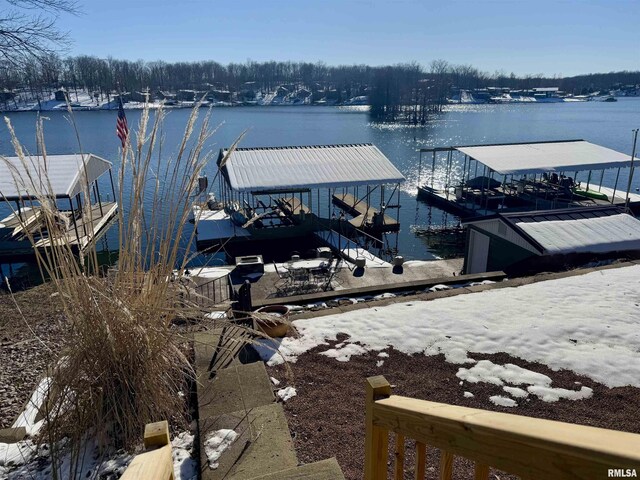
(365, 216)
(57, 203)
(518, 177)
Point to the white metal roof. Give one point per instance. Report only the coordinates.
(610, 233)
(260, 169)
(53, 175)
(524, 158)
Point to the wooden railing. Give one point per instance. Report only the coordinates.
(156, 463)
(531, 448)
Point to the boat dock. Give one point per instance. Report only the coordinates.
(83, 232)
(365, 216)
(62, 208)
(518, 177)
(279, 195)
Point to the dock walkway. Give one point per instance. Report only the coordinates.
(363, 213)
(292, 206)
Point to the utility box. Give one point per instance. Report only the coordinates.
(249, 264)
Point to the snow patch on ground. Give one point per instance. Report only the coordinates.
(566, 323)
(275, 381)
(93, 463)
(548, 394)
(216, 443)
(539, 384)
(489, 372)
(287, 393)
(345, 353)
(185, 466)
(468, 395)
(15, 454)
(379, 363)
(516, 392)
(503, 401)
(383, 355)
(27, 418)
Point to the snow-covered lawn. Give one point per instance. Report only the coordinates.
(585, 323)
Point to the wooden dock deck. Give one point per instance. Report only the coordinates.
(89, 228)
(292, 206)
(364, 214)
(475, 205)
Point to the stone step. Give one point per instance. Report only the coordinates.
(322, 470)
(237, 388)
(263, 444)
(221, 348)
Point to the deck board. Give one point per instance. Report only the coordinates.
(363, 212)
(292, 205)
(91, 223)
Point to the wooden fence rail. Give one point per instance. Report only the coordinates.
(156, 463)
(531, 448)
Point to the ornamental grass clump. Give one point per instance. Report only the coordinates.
(121, 365)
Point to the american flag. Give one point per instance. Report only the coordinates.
(122, 129)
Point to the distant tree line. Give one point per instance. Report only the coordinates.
(403, 91)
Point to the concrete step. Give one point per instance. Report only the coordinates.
(237, 388)
(323, 470)
(222, 347)
(264, 444)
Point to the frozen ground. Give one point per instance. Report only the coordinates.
(584, 323)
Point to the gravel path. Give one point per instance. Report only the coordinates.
(327, 415)
(27, 345)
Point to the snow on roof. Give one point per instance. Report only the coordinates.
(260, 169)
(53, 175)
(612, 233)
(585, 323)
(564, 156)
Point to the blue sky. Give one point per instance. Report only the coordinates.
(552, 37)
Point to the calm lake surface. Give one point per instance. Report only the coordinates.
(607, 124)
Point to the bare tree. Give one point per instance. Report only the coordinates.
(28, 29)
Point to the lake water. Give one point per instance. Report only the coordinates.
(607, 124)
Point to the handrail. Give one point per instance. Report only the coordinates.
(157, 462)
(213, 291)
(525, 446)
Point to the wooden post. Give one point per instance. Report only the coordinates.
(376, 438)
(156, 463)
(399, 454)
(156, 434)
(446, 465)
(481, 471)
(421, 461)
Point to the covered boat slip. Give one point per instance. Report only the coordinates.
(273, 192)
(479, 180)
(67, 187)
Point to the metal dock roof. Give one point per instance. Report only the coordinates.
(543, 157)
(273, 168)
(25, 178)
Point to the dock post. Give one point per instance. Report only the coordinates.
(631, 168)
(615, 187)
